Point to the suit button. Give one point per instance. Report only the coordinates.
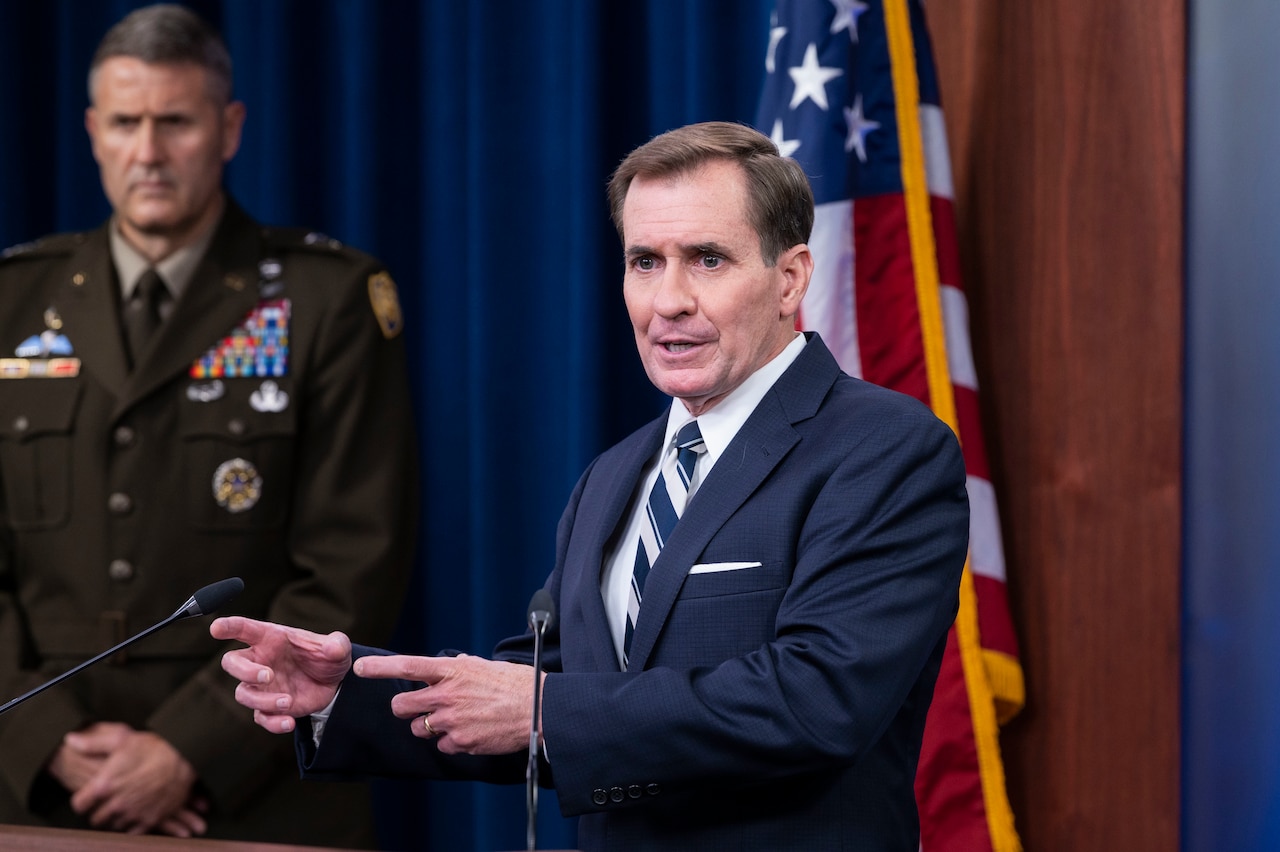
(120, 570)
(599, 796)
(124, 436)
(653, 789)
(119, 504)
(21, 423)
(617, 794)
(634, 791)
(236, 427)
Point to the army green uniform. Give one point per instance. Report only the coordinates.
(287, 459)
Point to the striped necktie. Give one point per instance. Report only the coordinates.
(666, 504)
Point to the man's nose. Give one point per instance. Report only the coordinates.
(149, 147)
(675, 293)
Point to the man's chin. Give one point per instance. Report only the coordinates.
(154, 225)
(683, 387)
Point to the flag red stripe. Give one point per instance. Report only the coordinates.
(994, 623)
(970, 424)
(885, 297)
(948, 785)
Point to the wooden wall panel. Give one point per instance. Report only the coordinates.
(1066, 126)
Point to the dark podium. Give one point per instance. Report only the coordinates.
(22, 838)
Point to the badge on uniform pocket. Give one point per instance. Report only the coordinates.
(237, 485)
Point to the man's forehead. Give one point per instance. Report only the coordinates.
(717, 171)
(686, 211)
(128, 76)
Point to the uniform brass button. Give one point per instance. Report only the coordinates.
(617, 794)
(119, 504)
(599, 796)
(236, 427)
(634, 791)
(120, 570)
(124, 436)
(21, 423)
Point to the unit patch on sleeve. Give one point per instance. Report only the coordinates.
(386, 304)
(257, 348)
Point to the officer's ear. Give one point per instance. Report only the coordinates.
(232, 125)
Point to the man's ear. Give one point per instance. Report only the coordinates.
(795, 268)
(232, 125)
(91, 127)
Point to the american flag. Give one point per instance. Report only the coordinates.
(851, 93)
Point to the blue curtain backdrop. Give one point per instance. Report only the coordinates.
(467, 144)
(1231, 739)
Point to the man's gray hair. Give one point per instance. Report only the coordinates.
(168, 34)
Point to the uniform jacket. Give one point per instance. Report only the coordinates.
(785, 652)
(121, 493)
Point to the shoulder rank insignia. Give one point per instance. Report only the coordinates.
(257, 348)
(386, 304)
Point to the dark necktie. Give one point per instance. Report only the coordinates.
(666, 504)
(142, 314)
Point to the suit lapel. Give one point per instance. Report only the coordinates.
(88, 302)
(617, 486)
(223, 289)
(759, 447)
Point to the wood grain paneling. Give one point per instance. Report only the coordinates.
(1066, 126)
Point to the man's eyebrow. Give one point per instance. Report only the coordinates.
(711, 247)
(162, 115)
(686, 250)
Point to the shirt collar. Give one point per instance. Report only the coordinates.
(177, 269)
(720, 425)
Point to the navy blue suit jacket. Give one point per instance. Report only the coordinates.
(779, 706)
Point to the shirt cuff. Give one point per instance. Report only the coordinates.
(320, 718)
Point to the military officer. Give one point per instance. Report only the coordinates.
(186, 395)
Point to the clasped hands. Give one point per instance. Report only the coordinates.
(128, 780)
(475, 706)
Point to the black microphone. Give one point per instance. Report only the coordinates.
(204, 602)
(541, 615)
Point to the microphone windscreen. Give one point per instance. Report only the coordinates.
(542, 602)
(217, 595)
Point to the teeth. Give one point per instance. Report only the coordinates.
(678, 347)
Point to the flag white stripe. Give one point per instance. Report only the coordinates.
(829, 306)
(986, 551)
(937, 159)
(955, 320)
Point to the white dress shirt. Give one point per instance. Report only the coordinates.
(718, 427)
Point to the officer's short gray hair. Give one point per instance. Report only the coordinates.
(168, 34)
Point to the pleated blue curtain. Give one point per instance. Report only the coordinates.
(467, 144)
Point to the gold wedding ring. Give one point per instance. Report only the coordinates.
(426, 726)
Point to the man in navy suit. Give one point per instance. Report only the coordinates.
(756, 677)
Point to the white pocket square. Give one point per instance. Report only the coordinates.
(716, 567)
